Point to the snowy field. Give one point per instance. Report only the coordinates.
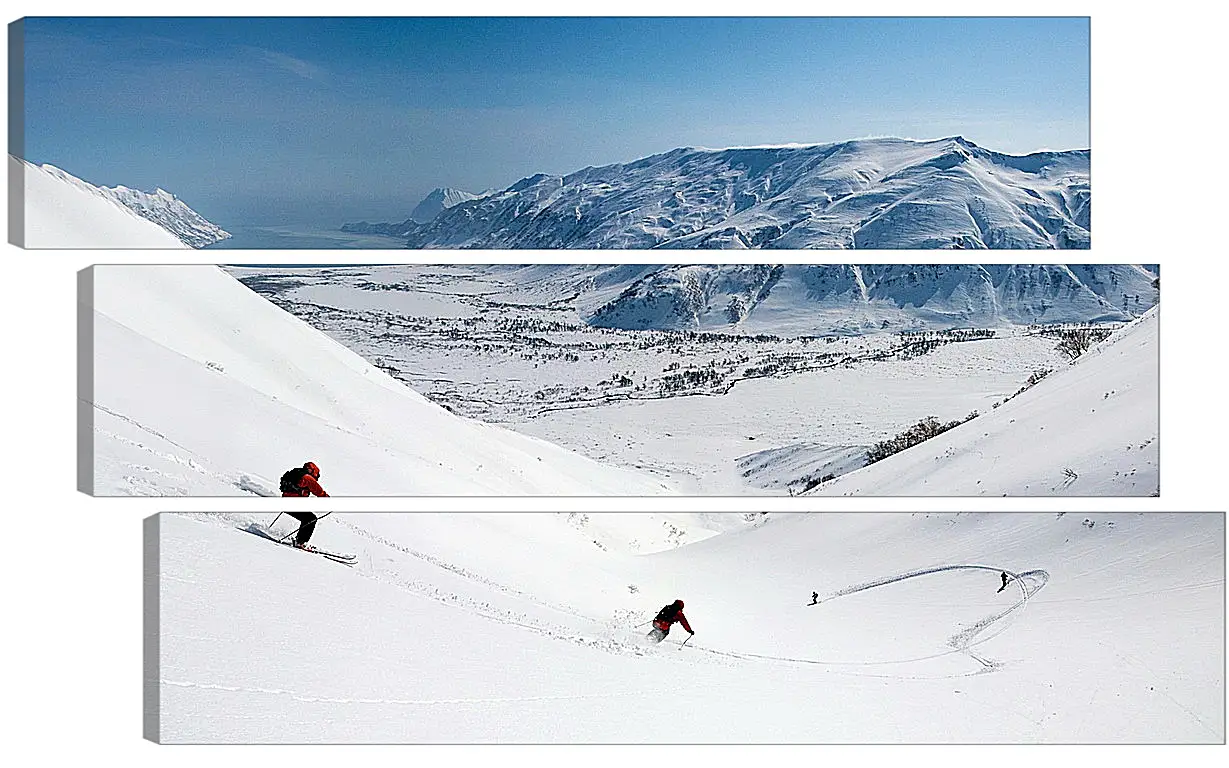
(523, 628)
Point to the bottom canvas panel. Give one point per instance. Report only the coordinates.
(778, 628)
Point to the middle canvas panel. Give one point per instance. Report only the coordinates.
(620, 379)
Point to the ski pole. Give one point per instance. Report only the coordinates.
(296, 530)
(688, 640)
(279, 517)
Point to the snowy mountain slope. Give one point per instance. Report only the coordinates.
(72, 223)
(61, 211)
(867, 193)
(1091, 429)
(853, 298)
(439, 200)
(519, 628)
(170, 213)
(202, 387)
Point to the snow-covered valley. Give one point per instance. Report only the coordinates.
(723, 406)
(523, 628)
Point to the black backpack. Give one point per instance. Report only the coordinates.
(669, 613)
(291, 479)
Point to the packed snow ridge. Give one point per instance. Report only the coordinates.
(868, 193)
(63, 211)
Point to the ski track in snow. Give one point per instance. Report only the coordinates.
(478, 607)
(1036, 713)
(190, 461)
(961, 642)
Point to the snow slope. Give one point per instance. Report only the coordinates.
(1091, 429)
(201, 387)
(520, 628)
(867, 193)
(65, 219)
(64, 212)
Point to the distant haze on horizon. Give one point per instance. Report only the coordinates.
(262, 121)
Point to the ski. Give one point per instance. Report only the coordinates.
(337, 557)
(334, 556)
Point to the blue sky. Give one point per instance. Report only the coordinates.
(267, 121)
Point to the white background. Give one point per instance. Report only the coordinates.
(72, 565)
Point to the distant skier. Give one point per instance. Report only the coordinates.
(665, 617)
(814, 599)
(1004, 583)
(303, 481)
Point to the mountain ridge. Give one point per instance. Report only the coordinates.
(881, 193)
(159, 207)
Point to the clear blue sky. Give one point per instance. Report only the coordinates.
(276, 120)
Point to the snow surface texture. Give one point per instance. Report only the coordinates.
(1091, 429)
(202, 387)
(63, 211)
(523, 628)
(514, 345)
(867, 193)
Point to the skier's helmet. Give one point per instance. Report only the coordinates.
(678, 604)
(312, 469)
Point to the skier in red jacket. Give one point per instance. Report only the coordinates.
(665, 617)
(303, 481)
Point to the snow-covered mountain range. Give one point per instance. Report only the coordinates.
(866, 193)
(439, 200)
(63, 211)
(859, 298)
(431, 206)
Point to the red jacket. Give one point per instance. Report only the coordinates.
(664, 626)
(308, 487)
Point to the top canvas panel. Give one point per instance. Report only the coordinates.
(549, 133)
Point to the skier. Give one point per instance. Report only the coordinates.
(814, 599)
(665, 617)
(303, 481)
(1004, 583)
